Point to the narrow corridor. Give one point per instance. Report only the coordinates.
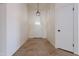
(40, 47)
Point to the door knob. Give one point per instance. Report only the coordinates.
(58, 30)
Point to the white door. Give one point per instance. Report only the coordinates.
(38, 28)
(64, 26)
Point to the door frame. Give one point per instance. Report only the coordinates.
(75, 29)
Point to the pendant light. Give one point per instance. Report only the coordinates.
(37, 12)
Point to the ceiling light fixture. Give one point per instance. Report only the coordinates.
(38, 12)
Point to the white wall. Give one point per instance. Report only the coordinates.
(2, 29)
(51, 24)
(16, 24)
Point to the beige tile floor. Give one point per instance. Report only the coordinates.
(40, 47)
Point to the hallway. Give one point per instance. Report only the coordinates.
(24, 25)
(40, 47)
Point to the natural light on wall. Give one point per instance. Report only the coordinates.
(37, 23)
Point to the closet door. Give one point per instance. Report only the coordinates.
(64, 26)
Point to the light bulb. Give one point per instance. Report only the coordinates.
(38, 13)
